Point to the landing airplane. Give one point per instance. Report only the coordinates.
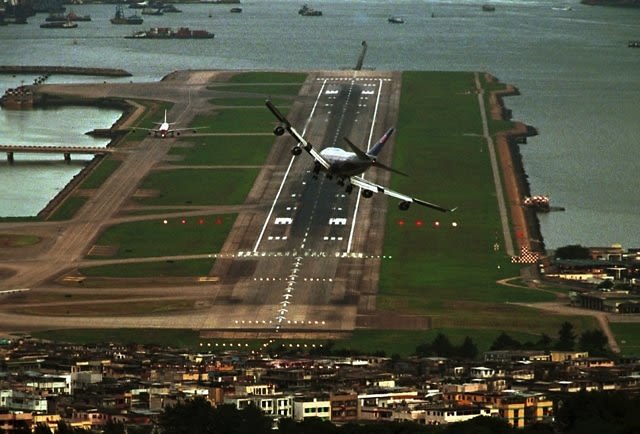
(164, 129)
(346, 166)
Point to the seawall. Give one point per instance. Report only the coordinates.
(524, 221)
(67, 70)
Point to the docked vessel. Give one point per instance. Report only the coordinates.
(120, 18)
(168, 33)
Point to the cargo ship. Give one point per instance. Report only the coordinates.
(168, 33)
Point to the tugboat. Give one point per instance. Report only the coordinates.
(306, 11)
(119, 18)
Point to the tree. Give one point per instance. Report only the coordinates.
(112, 427)
(442, 346)
(593, 341)
(566, 337)
(544, 343)
(505, 342)
(574, 251)
(194, 416)
(468, 349)
(42, 428)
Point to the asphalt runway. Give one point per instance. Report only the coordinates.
(303, 255)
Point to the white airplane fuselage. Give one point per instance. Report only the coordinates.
(344, 163)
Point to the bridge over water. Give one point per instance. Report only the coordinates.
(10, 150)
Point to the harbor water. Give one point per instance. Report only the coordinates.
(571, 63)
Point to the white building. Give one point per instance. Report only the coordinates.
(304, 408)
(22, 401)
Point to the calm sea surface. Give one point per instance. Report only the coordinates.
(578, 81)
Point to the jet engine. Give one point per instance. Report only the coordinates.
(296, 150)
(367, 193)
(279, 130)
(404, 205)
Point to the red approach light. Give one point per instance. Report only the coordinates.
(218, 221)
(401, 222)
(183, 221)
(419, 223)
(436, 224)
(201, 221)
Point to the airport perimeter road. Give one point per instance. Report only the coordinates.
(303, 255)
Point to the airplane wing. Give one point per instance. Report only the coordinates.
(406, 200)
(297, 136)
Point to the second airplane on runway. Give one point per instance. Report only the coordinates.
(346, 166)
(165, 130)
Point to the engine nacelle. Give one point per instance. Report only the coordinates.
(404, 205)
(367, 193)
(296, 150)
(278, 131)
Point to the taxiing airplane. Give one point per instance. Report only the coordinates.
(346, 166)
(164, 129)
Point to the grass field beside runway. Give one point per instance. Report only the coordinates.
(446, 266)
(628, 337)
(223, 150)
(166, 237)
(198, 186)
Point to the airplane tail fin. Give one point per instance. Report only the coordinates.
(375, 149)
(372, 158)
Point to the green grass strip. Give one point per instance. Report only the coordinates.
(224, 150)
(167, 237)
(199, 186)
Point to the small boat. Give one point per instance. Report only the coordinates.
(59, 25)
(306, 11)
(235, 10)
(396, 20)
(488, 8)
(119, 17)
(152, 11)
(170, 9)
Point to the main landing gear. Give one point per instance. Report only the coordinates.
(404, 205)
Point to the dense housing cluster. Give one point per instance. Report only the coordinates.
(89, 386)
